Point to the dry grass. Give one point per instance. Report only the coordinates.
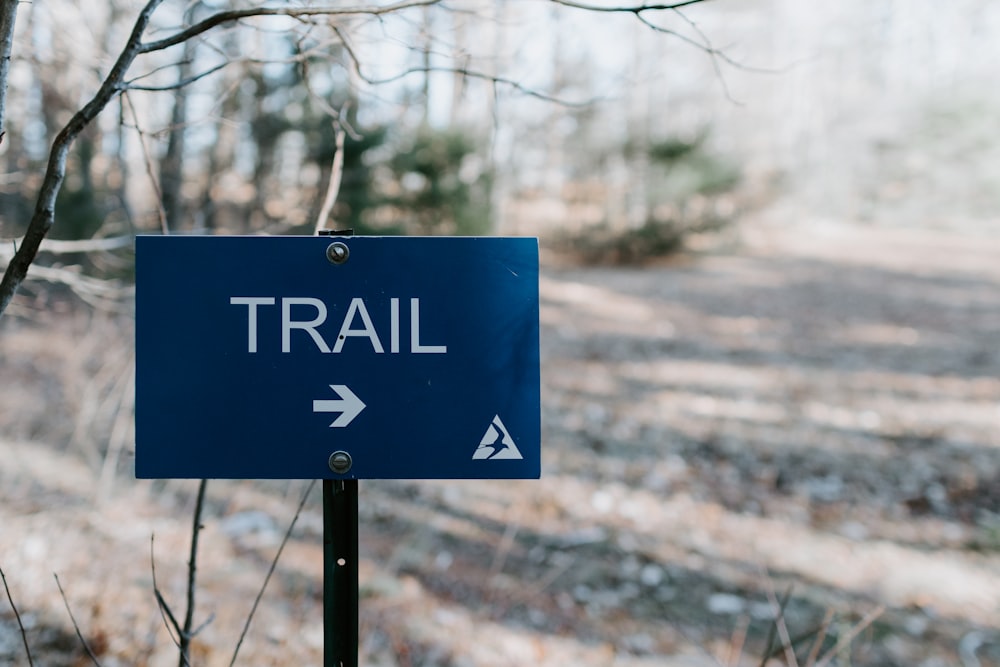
(821, 406)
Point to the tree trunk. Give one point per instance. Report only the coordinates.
(8, 13)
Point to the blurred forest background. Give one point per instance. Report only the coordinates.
(770, 306)
(870, 111)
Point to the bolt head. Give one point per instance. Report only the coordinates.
(340, 462)
(338, 252)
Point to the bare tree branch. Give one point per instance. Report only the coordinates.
(160, 211)
(85, 286)
(270, 571)
(44, 214)
(627, 9)
(846, 640)
(484, 76)
(233, 16)
(169, 620)
(64, 247)
(17, 616)
(336, 172)
(824, 628)
(76, 627)
(186, 633)
(472, 74)
(705, 45)
(182, 83)
(113, 84)
(96, 291)
(778, 607)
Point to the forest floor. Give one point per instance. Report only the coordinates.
(810, 411)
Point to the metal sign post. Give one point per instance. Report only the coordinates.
(337, 359)
(340, 573)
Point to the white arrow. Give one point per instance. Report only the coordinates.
(349, 405)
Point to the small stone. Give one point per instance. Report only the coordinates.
(651, 575)
(725, 603)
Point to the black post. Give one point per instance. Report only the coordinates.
(340, 573)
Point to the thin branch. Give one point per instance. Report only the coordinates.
(168, 615)
(88, 245)
(492, 78)
(714, 55)
(707, 48)
(75, 626)
(472, 74)
(769, 648)
(178, 84)
(207, 622)
(196, 526)
(93, 290)
(17, 616)
(737, 642)
(156, 70)
(165, 613)
(779, 622)
(299, 58)
(336, 173)
(846, 640)
(83, 285)
(270, 571)
(820, 638)
(627, 9)
(161, 212)
(704, 44)
(233, 16)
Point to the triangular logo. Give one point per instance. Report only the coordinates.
(497, 443)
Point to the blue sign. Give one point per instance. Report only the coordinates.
(277, 357)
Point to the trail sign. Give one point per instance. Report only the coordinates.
(407, 357)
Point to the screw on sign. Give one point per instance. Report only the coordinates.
(360, 358)
(340, 462)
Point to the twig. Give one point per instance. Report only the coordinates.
(17, 616)
(179, 84)
(270, 571)
(769, 648)
(88, 245)
(845, 641)
(121, 428)
(471, 74)
(627, 9)
(185, 634)
(504, 547)
(820, 638)
(713, 55)
(82, 284)
(165, 613)
(233, 16)
(75, 626)
(161, 212)
(779, 623)
(336, 173)
(737, 642)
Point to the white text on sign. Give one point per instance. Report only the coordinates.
(307, 314)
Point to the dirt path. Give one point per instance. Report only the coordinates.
(816, 410)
